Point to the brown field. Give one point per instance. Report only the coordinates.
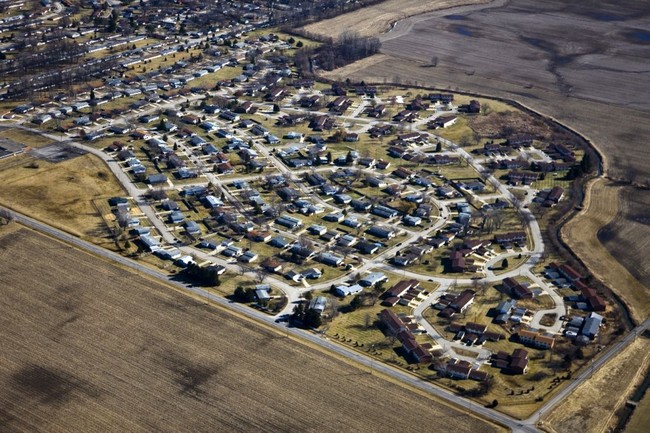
(591, 407)
(630, 230)
(60, 194)
(376, 19)
(598, 86)
(97, 348)
(26, 138)
(581, 234)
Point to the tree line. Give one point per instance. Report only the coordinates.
(348, 48)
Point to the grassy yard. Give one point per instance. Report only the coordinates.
(513, 263)
(26, 138)
(458, 131)
(553, 179)
(462, 171)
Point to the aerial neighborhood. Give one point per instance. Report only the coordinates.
(405, 224)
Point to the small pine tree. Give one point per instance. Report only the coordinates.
(312, 319)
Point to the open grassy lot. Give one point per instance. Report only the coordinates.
(60, 194)
(592, 405)
(26, 138)
(372, 20)
(122, 352)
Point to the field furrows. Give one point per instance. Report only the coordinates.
(87, 346)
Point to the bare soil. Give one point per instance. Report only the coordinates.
(88, 346)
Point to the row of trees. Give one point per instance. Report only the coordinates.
(308, 317)
(304, 12)
(348, 48)
(27, 85)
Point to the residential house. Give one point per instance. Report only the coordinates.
(516, 289)
(517, 238)
(381, 232)
(271, 265)
(372, 279)
(343, 290)
(536, 339)
(330, 259)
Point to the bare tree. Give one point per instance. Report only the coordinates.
(6, 216)
(367, 320)
(260, 275)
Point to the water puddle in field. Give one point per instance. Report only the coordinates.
(638, 36)
(463, 30)
(605, 16)
(455, 17)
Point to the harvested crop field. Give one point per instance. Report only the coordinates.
(584, 235)
(630, 230)
(372, 20)
(591, 407)
(580, 64)
(88, 346)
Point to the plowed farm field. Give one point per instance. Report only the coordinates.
(87, 346)
(376, 19)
